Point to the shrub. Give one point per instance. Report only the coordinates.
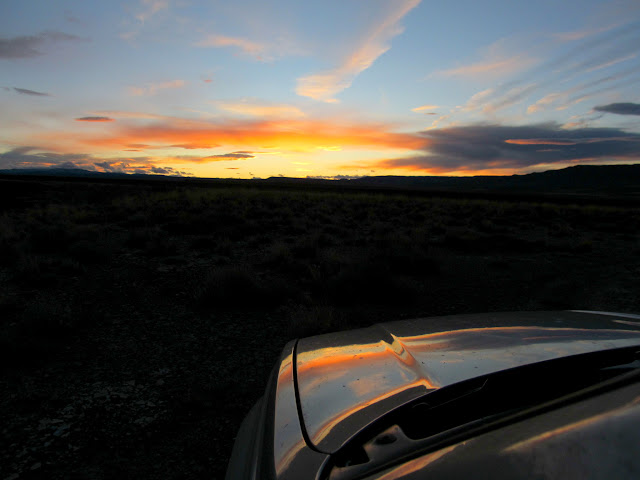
(239, 287)
(45, 270)
(47, 315)
(41, 327)
(306, 320)
(86, 251)
(44, 238)
(11, 246)
(368, 282)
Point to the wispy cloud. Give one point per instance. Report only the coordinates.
(491, 100)
(477, 99)
(150, 7)
(610, 63)
(71, 18)
(580, 34)
(31, 45)
(620, 108)
(326, 85)
(543, 102)
(596, 50)
(153, 88)
(492, 67)
(143, 13)
(513, 96)
(565, 98)
(260, 109)
(496, 61)
(246, 46)
(94, 119)
(583, 95)
(582, 120)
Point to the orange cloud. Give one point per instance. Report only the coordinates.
(455, 171)
(538, 141)
(247, 46)
(423, 169)
(423, 108)
(285, 135)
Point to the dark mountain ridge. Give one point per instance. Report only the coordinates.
(579, 177)
(608, 180)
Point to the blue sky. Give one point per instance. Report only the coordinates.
(334, 88)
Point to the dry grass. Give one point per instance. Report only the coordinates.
(214, 281)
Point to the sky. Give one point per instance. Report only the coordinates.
(328, 89)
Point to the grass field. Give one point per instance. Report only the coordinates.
(140, 322)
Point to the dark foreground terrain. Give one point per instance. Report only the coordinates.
(140, 321)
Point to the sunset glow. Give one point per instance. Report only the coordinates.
(397, 87)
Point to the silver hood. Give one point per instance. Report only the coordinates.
(347, 380)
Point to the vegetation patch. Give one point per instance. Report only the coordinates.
(126, 308)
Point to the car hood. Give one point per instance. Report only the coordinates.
(347, 380)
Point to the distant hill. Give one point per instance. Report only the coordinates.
(69, 172)
(607, 180)
(581, 178)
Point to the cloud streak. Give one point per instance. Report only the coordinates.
(620, 108)
(28, 46)
(580, 34)
(153, 88)
(490, 67)
(94, 119)
(564, 96)
(230, 156)
(324, 86)
(25, 91)
(425, 109)
(150, 8)
(244, 45)
(593, 51)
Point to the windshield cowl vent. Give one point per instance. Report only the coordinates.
(453, 413)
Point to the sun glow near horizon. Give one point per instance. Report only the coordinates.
(326, 90)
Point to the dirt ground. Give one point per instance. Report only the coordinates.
(140, 323)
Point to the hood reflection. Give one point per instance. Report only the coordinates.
(343, 388)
